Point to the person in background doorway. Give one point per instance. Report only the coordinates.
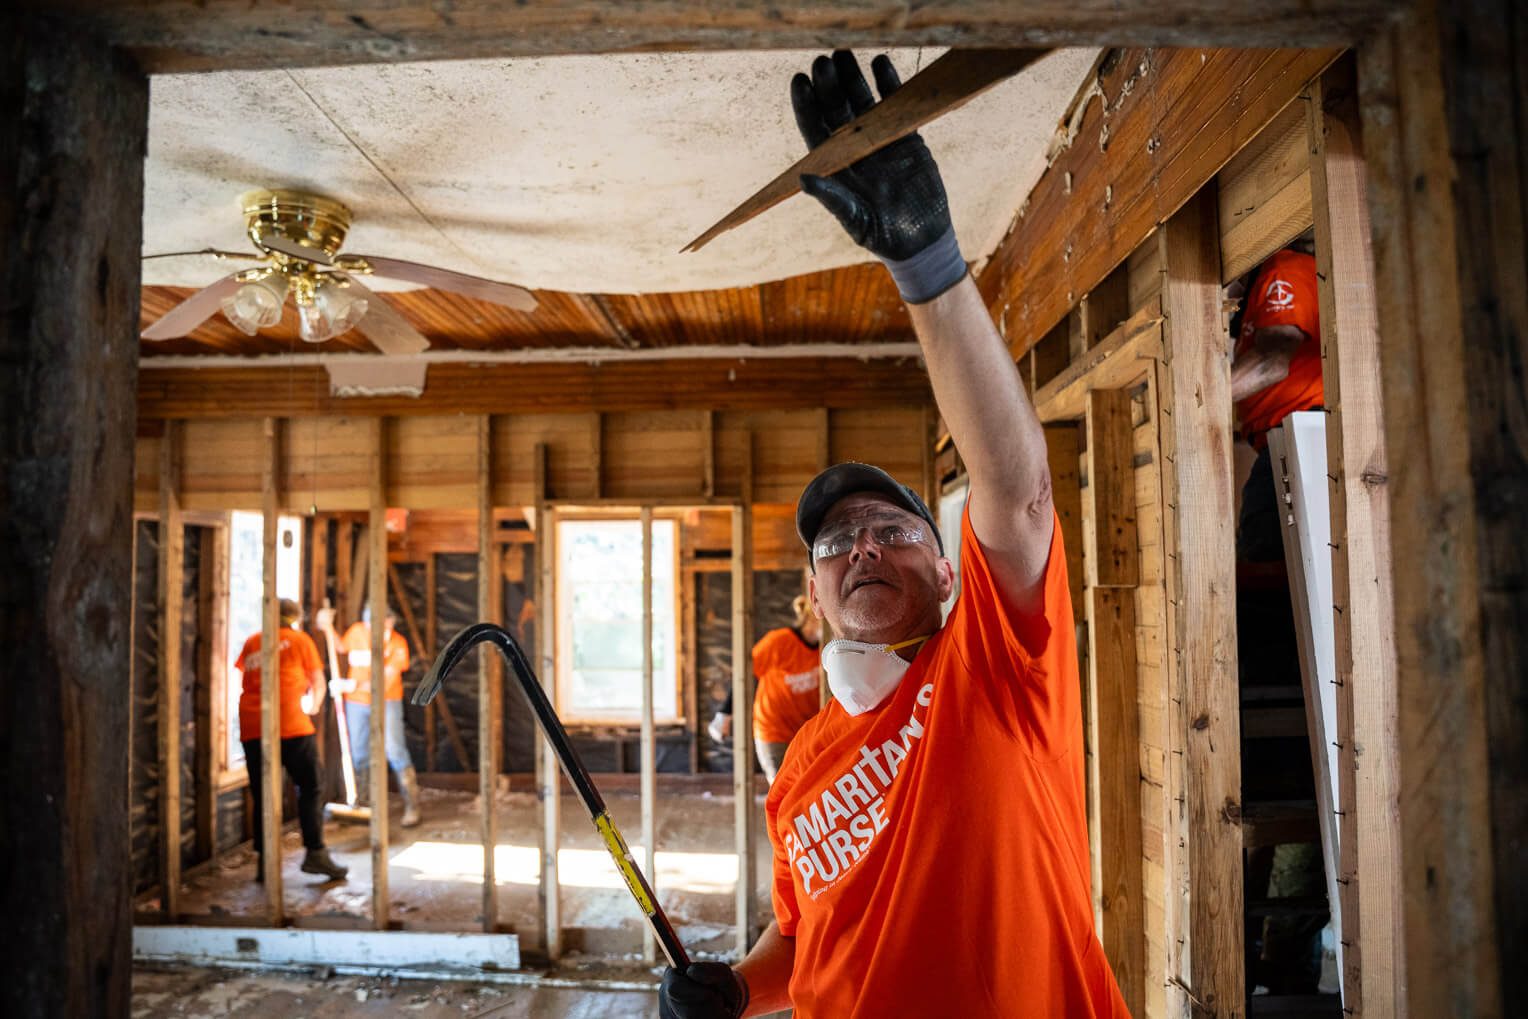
(786, 669)
(357, 691)
(302, 694)
(1275, 371)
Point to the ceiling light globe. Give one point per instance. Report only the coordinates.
(340, 305)
(312, 324)
(257, 304)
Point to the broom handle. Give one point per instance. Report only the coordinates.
(346, 767)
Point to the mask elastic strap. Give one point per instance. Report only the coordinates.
(906, 643)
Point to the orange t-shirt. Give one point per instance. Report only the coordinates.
(786, 667)
(1284, 293)
(296, 659)
(931, 855)
(357, 647)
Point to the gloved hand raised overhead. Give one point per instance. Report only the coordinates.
(892, 202)
(706, 990)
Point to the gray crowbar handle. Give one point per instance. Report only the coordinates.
(479, 633)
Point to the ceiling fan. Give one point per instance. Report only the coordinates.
(298, 237)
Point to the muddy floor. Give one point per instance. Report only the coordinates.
(435, 873)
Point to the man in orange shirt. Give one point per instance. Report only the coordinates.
(1276, 371)
(929, 824)
(301, 677)
(785, 666)
(356, 689)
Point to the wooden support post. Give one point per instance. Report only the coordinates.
(429, 652)
(597, 455)
(345, 592)
(1358, 469)
(210, 594)
(270, 685)
(1105, 307)
(1113, 574)
(744, 821)
(1441, 94)
(318, 592)
(73, 129)
(172, 568)
(649, 784)
(708, 453)
(548, 777)
(376, 594)
(488, 673)
(1197, 482)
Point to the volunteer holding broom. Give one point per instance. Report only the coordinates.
(929, 825)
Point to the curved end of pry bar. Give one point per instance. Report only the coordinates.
(453, 653)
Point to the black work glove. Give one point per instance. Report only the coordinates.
(892, 202)
(706, 990)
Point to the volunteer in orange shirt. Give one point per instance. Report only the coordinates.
(1276, 371)
(929, 825)
(301, 677)
(356, 689)
(786, 670)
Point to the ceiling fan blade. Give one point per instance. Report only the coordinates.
(958, 76)
(388, 331)
(292, 249)
(506, 294)
(220, 255)
(193, 311)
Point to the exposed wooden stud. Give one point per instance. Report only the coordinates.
(318, 597)
(346, 591)
(708, 447)
(744, 821)
(649, 783)
(1115, 362)
(1113, 568)
(597, 455)
(430, 622)
(1076, 330)
(548, 777)
(488, 675)
(172, 568)
(1062, 444)
(1106, 306)
(376, 594)
(210, 596)
(1358, 469)
(1439, 93)
(270, 686)
(1197, 484)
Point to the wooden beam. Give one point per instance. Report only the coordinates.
(488, 674)
(1162, 125)
(73, 129)
(270, 685)
(172, 36)
(1109, 506)
(344, 581)
(211, 593)
(172, 568)
(1446, 180)
(1358, 470)
(429, 651)
(548, 780)
(744, 819)
(1117, 361)
(376, 596)
(649, 785)
(698, 384)
(1197, 483)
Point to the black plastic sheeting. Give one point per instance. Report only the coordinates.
(773, 592)
(145, 805)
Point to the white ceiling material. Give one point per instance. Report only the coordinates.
(577, 173)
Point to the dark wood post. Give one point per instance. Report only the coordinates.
(73, 124)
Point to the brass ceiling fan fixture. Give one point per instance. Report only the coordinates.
(298, 237)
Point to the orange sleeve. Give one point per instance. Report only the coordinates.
(1025, 662)
(243, 658)
(762, 655)
(1285, 294)
(401, 646)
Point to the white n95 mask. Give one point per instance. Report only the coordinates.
(863, 675)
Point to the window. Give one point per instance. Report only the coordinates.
(599, 621)
(246, 579)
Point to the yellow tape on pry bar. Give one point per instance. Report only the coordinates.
(623, 862)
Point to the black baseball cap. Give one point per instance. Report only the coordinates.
(847, 479)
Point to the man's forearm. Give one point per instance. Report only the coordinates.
(767, 971)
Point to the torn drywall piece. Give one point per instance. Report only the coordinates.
(378, 376)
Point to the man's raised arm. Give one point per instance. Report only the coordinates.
(893, 204)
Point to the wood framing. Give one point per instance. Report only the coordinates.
(430, 624)
(490, 720)
(1446, 181)
(376, 599)
(1197, 481)
(548, 773)
(72, 122)
(745, 822)
(172, 567)
(270, 686)
(1358, 471)
(649, 776)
